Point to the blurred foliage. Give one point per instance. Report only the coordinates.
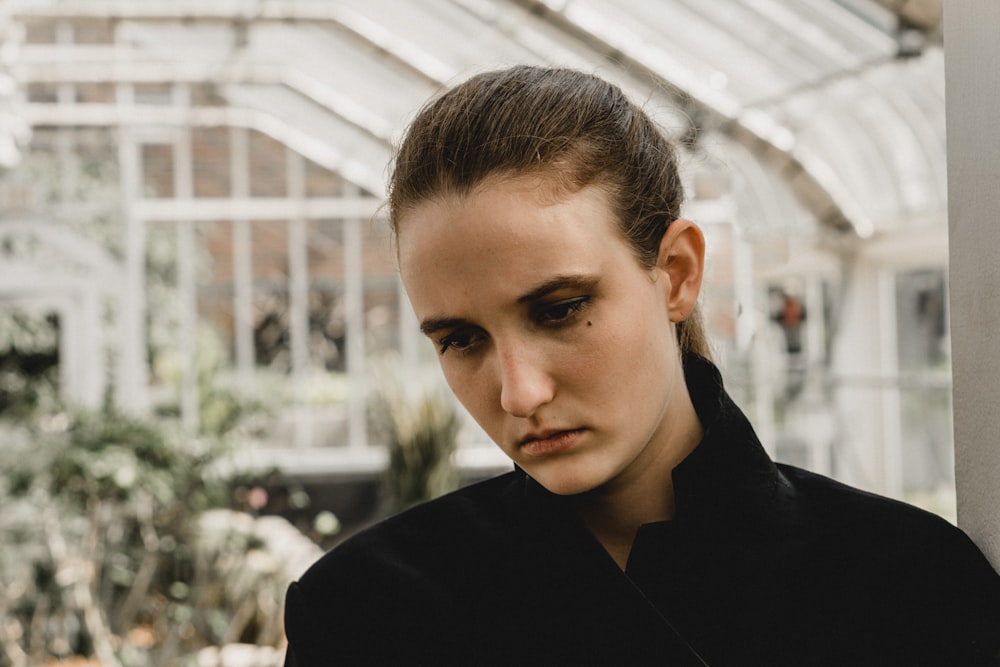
(423, 430)
(29, 360)
(101, 549)
(101, 553)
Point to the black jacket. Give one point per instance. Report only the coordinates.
(763, 565)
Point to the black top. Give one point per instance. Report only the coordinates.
(763, 564)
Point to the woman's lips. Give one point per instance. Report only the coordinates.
(552, 443)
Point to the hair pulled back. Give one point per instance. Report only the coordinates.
(572, 128)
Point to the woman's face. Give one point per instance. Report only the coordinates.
(549, 332)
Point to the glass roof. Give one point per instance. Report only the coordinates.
(842, 131)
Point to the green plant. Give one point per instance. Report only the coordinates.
(422, 438)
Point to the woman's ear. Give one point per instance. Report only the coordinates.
(682, 259)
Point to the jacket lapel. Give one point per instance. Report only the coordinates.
(581, 592)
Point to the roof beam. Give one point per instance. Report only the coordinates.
(205, 209)
(298, 139)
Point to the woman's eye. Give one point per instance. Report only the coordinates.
(459, 341)
(563, 310)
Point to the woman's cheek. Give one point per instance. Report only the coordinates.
(473, 387)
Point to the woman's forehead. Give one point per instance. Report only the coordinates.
(511, 233)
(506, 213)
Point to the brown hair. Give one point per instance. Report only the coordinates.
(573, 128)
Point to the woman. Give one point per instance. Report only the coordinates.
(537, 218)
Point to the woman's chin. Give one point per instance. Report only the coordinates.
(564, 482)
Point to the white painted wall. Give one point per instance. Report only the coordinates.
(972, 51)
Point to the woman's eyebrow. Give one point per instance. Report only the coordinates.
(572, 282)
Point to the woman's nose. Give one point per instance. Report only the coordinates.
(525, 385)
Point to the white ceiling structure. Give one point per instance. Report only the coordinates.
(820, 114)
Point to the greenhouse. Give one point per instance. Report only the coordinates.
(195, 258)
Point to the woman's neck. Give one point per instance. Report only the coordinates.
(615, 521)
(645, 493)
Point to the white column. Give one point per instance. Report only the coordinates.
(892, 433)
(187, 272)
(131, 393)
(973, 95)
(298, 298)
(65, 144)
(242, 256)
(357, 434)
(91, 330)
(815, 407)
(858, 382)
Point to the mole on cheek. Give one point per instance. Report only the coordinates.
(589, 323)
